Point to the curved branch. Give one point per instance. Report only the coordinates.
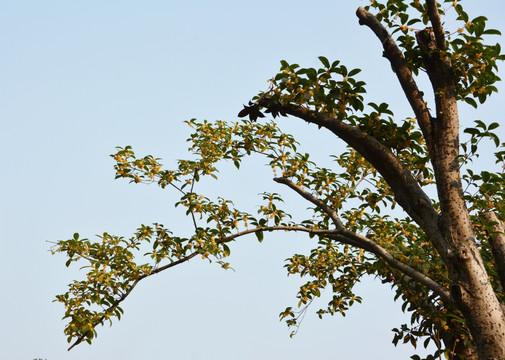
(305, 194)
(239, 234)
(399, 64)
(382, 253)
(348, 237)
(109, 309)
(192, 255)
(408, 193)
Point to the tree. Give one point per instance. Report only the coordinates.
(404, 202)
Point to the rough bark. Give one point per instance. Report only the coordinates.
(497, 242)
(471, 291)
(402, 71)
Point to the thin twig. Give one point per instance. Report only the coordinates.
(308, 196)
(191, 191)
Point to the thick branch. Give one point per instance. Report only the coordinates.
(399, 64)
(407, 192)
(497, 242)
(382, 253)
(439, 146)
(438, 29)
(348, 237)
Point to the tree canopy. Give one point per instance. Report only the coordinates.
(404, 202)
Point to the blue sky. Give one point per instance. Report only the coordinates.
(78, 78)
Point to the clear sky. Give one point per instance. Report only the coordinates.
(78, 78)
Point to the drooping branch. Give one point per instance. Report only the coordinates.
(345, 236)
(109, 309)
(185, 259)
(128, 292)
(404, 74)
(497, 242)
(382, 253)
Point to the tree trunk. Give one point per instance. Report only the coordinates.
(471, 290)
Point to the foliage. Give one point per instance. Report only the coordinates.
(355, 216)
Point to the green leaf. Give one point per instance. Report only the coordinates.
(462, 14)
(471, 101)
(495, 138)
(354, 72)
(493, 126)
(413, 21)
(324, 61)
(481, 124)
(491, 32)
(335, 64)
(472, 131)
(226, 249)
(312, 74)
(479, 19)
(259, 235)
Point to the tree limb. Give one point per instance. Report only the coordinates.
(348, 237)
(192, 255)
(305, 194)
(497, 242)
(438, 29)
(408, 193)
(382, 253)
(402, 71)
(110, 308)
